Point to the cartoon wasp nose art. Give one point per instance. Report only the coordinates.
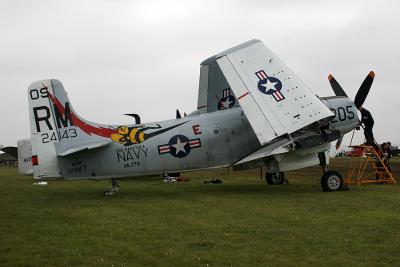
(135, 135)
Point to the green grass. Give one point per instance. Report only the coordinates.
(242, 222)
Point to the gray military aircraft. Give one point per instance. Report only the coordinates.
(253, 111)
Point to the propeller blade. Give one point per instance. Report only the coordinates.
(178, 114)
(364, 90)
(339, 142)
(336, 86)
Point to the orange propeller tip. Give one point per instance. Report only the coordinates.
(330, 77)
(372, 74)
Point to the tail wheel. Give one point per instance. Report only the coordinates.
(331, 181)
(275, 178)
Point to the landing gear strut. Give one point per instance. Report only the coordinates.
(330, 180)
(114, 188)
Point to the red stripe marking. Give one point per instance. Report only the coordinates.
(87, 128)
(264, 75)
(35, 160)
(245, 94)
(280, 95)
(261, 75)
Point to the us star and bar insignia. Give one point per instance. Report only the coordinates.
(179, 146)
(270, 85)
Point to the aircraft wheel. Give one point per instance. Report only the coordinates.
(331, 181)
(275, 178)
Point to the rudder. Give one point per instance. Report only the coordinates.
(43, 130)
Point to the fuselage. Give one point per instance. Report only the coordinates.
(65, 145)
(346, 118)
(211, 140)
(204, 141)
(254, 109)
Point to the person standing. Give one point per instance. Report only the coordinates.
(368, 121)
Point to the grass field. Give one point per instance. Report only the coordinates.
(242, 222)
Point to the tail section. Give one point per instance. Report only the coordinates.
(25, 157)
(56, 130)
(43, 130)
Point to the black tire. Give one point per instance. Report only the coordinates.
(275, 178)
(331, 181)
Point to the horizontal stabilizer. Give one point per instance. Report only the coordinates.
(63, 151)
(273, 98)
(25, 157)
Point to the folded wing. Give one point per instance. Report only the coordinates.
(275, 101)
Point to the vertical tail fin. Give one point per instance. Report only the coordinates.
(43, 130)
(56, 130)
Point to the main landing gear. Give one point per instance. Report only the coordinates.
(114, 188)
(275, 178)
(330, 180)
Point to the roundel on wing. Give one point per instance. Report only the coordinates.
(269, 85)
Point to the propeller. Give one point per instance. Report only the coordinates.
(361, 93)
(339, 142)
(360, 96)
(336, 86)
(364, 89)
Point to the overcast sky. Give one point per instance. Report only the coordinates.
(117, 57)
